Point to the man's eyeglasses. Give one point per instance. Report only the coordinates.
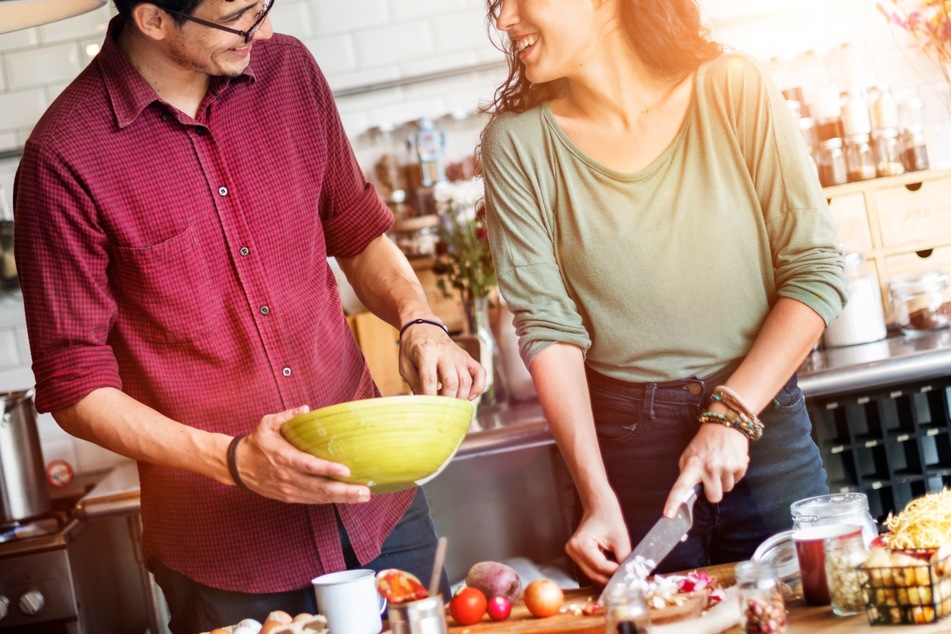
(247, 35)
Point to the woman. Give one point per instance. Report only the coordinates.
(665, 246)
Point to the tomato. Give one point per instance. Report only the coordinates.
(543, 597)
(499, 608)
(468, 606)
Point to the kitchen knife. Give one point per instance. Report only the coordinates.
(657, 544)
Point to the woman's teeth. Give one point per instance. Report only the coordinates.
(525, 42)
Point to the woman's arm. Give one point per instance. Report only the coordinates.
(559, 376)
(717, 455)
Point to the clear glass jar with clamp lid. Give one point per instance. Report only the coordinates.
(922, 302)
(835, 508)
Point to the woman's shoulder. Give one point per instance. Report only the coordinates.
(729, 67)
(510, 127)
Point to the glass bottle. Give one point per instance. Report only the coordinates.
(626, 611)
(831, 162)
(883, 109)
(855, 119)
(762, 608)
(845, 575)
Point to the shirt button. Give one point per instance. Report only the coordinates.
(244, 251)
(286, 371)
(265, 310)
(164, 116)
(200, 131)
(222, 191)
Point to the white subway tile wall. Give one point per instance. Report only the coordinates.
(360, 43)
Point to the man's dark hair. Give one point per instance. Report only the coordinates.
(124, 7)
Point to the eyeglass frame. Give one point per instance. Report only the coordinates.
(247, 35)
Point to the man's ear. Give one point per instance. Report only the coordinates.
(152, 21)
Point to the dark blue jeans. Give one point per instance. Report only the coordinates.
(643, 429)
(194, 607)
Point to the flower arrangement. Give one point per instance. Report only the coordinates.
(928, 22)
(463, 260)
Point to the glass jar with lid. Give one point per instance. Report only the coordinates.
(626, 611)
(914, 149)
(835, 508)
(762, 607)
(417, 237)
(859, 159)
(845, 576)
(831, 162)
(886, 147)
(863, 318)
(921, 302)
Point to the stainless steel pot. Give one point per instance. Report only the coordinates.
(23, 492)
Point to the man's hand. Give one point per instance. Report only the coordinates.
(432, 363)
(272, 467)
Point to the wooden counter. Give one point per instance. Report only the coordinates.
(803, 619)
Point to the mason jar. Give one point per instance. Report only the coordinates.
(862, 320)
(762, 607)
(886, 146)
(831, 162)
(859, 160)
(921, 302)
(845, 576)
(626, 611)
(835, 508)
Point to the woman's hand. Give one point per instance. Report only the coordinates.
(432, 363)
(272, 467)
(718, 456)
(600, 532)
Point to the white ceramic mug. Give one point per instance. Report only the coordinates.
(350, 602)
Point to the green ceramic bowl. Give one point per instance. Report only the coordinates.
(389, 444)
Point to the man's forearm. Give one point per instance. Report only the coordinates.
(119, 423)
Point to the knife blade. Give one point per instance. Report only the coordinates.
(656, 544)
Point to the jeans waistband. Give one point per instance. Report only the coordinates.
(690, 391)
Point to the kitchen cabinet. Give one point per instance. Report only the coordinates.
(900, 224)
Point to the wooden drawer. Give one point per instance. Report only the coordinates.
(916, 262)
(851, 221)
(910, 216)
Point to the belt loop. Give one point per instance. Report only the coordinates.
(649, 398)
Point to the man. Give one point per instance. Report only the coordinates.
(175, 208)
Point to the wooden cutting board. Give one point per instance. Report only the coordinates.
(803, 619)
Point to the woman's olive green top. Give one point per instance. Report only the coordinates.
(668, 272)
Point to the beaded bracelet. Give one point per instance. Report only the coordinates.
(729, 397)
(431, 322)
(743, 420)
(233, 463)
(751, 429)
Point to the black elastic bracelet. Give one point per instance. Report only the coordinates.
(422, 321)
(233, 464)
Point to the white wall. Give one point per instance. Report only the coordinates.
(362, 42)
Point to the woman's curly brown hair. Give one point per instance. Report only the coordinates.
(667, 35)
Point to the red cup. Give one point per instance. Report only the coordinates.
(810, 549)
